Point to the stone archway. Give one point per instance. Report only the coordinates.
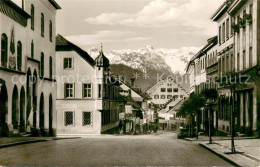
(28, 94)
(50, 115)
(42, 113)
(34, 95)
(15, 108)
(22, 110)
(3, 110)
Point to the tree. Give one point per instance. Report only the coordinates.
(190, 108)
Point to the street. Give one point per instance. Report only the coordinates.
(161, 149)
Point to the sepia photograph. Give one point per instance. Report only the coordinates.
(130, 83)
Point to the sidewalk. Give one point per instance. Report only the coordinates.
(248, 149)
(14, 141)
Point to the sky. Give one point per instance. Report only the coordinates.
(133, 24)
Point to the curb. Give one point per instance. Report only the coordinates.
(220, 155)
(32, 141)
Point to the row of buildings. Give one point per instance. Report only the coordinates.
(50, 86)
(229, 63)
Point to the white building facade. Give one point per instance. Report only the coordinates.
(166, 90)
(85, 103)
(27, 66)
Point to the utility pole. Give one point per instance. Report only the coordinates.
(232, 121)
(210, 125)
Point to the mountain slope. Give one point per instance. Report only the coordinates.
(148, 62)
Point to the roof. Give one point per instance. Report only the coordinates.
(177, 107)
(13, 11)
(235, 6)
(140, 92)
(63, 44)
(55, 4)
(174, 103)
(211, 42)
(221, 10)
(156, 86)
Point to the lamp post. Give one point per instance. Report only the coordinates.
(209, 103)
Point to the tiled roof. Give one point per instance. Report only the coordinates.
(63, 44)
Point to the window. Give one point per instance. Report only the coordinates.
(19, 56)
(42, 65)
(223, 32)
(238, 43)
(32, 17)
(162, 96)
(163, 89)
(68, 118)
(244, 39)
(169, 90)
(86, 118)
(223, 65)
(32, 49)
(169, 96)
(238, 61)
(42, 24)
(87, 90)
(99, 90)
(250, 57)
(50, 30)
(175, 90)
(232, 61)
(219, 35)
(69, 90)
(4, 50)
(67, 63)
(227, 63)
(50, 66)
(181, 96)
(219, 67)
(227, 29)
(156, 96)
(244, 59)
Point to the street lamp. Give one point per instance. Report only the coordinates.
(209, 103)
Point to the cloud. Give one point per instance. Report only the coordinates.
(193, 15)
(105, 36)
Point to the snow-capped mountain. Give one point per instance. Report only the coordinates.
(169, 60)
